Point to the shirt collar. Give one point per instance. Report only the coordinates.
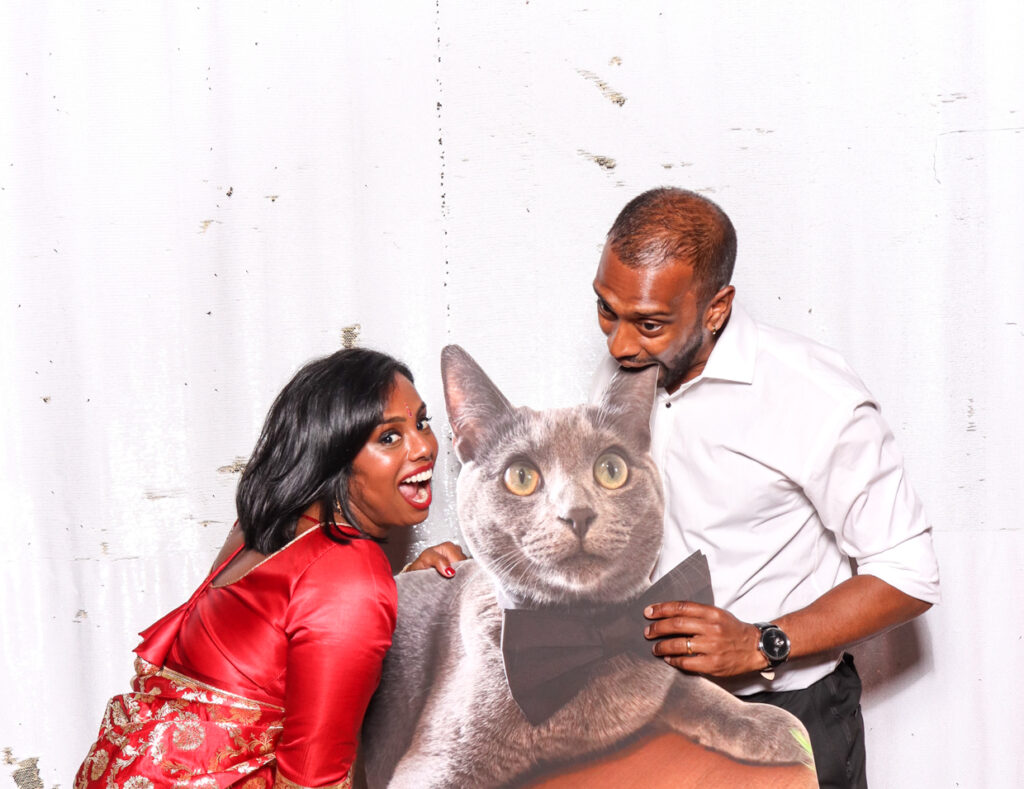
(733, 357)
(735, 353)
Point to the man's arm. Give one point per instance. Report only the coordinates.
(857, 485)
(723, 646)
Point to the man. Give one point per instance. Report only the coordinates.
(777, 465)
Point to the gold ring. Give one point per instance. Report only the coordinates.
(689, 647)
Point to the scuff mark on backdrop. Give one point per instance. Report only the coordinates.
(26, 771)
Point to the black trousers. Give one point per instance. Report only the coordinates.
(830, 709)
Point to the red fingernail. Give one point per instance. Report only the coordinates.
(449, 571)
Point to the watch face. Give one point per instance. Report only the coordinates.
(774, 644)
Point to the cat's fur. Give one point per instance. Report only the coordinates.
(444, 716)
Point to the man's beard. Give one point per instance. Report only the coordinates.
(672, 373)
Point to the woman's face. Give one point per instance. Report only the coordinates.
(390, 480)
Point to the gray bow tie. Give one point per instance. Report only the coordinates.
(549, 653)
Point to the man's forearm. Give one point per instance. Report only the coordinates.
(708, 640)
(857, 609)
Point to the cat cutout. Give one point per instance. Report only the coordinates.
(562, 513)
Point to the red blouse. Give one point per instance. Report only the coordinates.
(307, 630)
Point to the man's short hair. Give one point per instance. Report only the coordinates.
(667, 225)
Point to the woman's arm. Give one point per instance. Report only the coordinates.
(339, 623)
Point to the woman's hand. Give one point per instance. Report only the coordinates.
(440, 557)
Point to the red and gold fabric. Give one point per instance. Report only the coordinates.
(174, 731)
(258, 683)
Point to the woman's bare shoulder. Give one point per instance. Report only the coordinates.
(231, 544)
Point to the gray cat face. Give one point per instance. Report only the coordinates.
(561, 506)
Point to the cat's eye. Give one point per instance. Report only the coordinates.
(521, 478)
(611, 471)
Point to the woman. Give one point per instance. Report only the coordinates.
(263, 676)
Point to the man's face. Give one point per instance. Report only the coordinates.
(651, 316)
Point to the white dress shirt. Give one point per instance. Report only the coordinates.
(777, 464)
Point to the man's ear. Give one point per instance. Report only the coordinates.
(718, 311)
(474, 403)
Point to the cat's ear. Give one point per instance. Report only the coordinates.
(628, 399)
(473, 401)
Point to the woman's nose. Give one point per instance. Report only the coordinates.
(423, 445)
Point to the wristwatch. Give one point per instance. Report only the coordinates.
(774, 645)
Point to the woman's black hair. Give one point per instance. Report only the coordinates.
(314, 430)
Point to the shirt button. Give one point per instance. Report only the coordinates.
(668, 405)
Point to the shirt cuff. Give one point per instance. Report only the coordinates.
(910, 567)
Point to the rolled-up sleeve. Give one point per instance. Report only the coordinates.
(858, 485)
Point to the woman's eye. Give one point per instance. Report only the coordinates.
(611, 471)
(521, 478)
(389, 437)
(423, 423)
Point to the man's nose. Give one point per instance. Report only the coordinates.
(623, 342)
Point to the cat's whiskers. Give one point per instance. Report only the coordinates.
(507, 567)
(513, 573)
(505, 563)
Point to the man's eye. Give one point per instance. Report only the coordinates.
(603, 308)
(650, 326)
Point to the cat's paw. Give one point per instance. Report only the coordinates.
(753, 733)
(760, 734)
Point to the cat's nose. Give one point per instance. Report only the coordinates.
(579, 519)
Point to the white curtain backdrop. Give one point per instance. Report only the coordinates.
(195, 198)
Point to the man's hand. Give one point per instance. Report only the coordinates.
(440, 557)
(708, 640)
(704, 639)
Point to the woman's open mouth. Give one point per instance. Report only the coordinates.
(415, 488)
